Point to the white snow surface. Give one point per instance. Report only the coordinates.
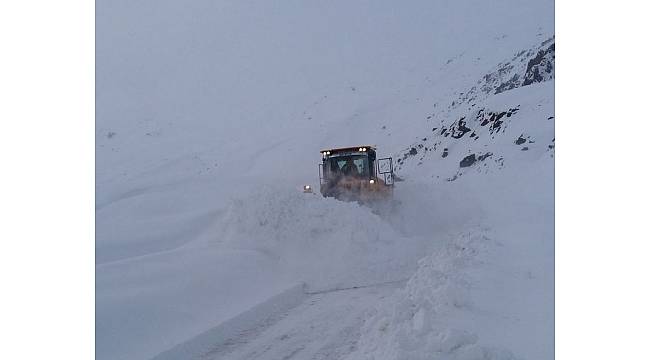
(488, 293)
(210, 116)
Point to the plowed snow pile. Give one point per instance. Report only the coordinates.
(324, 242)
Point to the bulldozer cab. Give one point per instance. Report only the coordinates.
(355, 173)
(352, 165)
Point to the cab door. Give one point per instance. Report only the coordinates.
(385, 170)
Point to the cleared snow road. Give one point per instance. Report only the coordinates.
(321, 325)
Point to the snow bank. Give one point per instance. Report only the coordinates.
(416, 323)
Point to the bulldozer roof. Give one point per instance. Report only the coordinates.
(348, 149)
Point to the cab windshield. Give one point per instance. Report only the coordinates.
(351, 165)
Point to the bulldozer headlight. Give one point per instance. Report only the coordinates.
(372, 181)
(306, 187)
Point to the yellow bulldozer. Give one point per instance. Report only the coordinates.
(355, 174)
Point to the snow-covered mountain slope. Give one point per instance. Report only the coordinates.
(210, 116)
(477, 129)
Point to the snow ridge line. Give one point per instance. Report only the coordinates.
(385, 283)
